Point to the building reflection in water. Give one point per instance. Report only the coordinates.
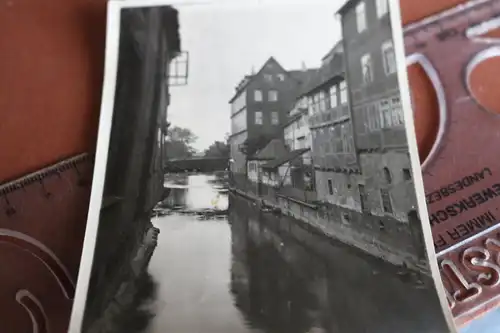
(282, 278)
(285, 279)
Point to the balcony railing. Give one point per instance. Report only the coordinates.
(178, 71)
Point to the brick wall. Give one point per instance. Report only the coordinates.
(401, 190)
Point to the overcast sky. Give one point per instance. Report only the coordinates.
(224, 43)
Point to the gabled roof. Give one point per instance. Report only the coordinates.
(273, 149)
(291, 156)
(253, 76)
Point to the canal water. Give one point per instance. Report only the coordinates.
(254, 272)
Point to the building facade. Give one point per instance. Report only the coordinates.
(385, 188)
(333, 153)
(296, 132)
(259, 108)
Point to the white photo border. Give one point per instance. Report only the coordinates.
(101, 160)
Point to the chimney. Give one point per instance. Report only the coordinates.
(253, 70)
(304, 67)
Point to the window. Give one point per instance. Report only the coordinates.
(275, 118)
(366, 68)
(333, 96)
(343, 92)
(397, 111)
(389, 58)
(272, 95)
(330, 186)
(387, 176)
(310, 104)
(258, 118)
(406, 174)
(362, 197)
(322, 101)
(257, 96)
(281, 77)
(316, 103)
(382, 8)
(373, 117)
(386, 200)
(345, 137)
(385, 114)
(360, 17)
(268, 77)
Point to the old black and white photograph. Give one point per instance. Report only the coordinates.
(257, 175)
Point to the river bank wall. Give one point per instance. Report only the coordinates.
(384, 238)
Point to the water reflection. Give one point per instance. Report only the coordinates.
(265, 274)
(285, 279)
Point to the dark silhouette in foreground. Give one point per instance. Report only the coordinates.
(137, 318)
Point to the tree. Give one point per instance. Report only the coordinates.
(254, 144)
(179, 142)
(181, 134)
(218, 149)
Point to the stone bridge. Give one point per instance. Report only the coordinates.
(197, 164)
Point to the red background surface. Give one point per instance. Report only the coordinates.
(51, 68)
(484, 79)
(51, 65)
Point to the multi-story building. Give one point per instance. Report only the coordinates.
(259, 108)
(386, 188)
(333, 154)
(296, 129)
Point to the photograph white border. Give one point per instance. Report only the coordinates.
(114, 8)
(404, 89)
(101, 160)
